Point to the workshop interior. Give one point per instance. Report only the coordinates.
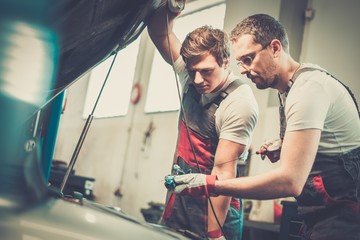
(89, 111)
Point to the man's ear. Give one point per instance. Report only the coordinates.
(275, 46)
(226, 63)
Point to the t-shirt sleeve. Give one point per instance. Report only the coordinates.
(307, 107)
(238, 118)
(180, 69)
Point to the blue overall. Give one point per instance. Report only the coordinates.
(188, 213)
(330, 200)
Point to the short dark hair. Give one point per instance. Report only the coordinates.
(263, 28)
(204, 40)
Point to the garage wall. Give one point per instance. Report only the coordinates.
(114, 152)
(332, 40)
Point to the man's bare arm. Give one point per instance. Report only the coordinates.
(160, 29)
(226, 155)
(297, 157)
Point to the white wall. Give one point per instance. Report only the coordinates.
(112, 152)
(333, 38)
(236, 10)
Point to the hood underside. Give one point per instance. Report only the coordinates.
(90, 30)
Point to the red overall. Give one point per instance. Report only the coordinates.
(188, 213)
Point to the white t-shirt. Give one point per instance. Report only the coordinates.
(236, 117)
(316, 100)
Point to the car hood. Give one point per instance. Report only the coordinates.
(90, 30)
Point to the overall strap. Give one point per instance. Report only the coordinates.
(223, 94)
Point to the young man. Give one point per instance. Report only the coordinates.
(217, 117)
(320, 132)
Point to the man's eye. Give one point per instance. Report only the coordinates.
(205, 72)
(191, 73)
(247, 60)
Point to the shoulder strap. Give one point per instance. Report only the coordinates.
(306, 69)
(223, 94)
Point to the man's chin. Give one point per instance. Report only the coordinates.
(260, 86)
(202, 90)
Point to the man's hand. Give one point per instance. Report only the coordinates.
(271, 149)
(218, 238)
(176, 6)
(194, 184)
(215, 235)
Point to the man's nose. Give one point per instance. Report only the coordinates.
(198, 79)
(244, 69)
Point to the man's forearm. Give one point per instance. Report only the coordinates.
(221, 206)
(274, 184)
(161, 22)
(160, 29)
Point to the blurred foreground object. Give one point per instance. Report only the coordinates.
(42, 45)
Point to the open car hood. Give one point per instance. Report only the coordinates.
(45, 46)
(90, 30)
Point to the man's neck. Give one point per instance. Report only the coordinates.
(290, 72)
(221, 84)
